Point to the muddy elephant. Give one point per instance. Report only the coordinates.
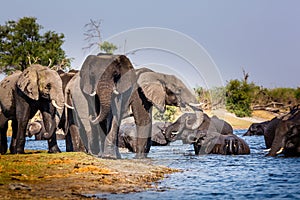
(210, 142)
(177, 129)
(127, 135)
(283, 127)
(22, 95)
(110, 87)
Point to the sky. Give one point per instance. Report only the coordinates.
(261, 37)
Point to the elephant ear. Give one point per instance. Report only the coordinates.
(153, 89)
(27, 82)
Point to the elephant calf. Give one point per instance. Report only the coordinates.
(127, 135)
(180, 127)
(215, 143)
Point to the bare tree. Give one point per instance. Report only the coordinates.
(93, 34)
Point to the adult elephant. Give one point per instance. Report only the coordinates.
(22, 95)
(282, 129)
(177, 129)
(210, 142)
(111, 85)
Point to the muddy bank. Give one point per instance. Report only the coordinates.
(38, 175)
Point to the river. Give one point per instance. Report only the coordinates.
(251, 176)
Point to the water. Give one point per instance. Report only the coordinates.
(251, 176)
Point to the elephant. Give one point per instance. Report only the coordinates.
(284, 126)
(210, 142)
(291, 143)
(22, 95)
(37, 129)
(127, 135)
(109, 87)
(214, 124)
(257, 128)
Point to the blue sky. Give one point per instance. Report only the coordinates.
(260, 36)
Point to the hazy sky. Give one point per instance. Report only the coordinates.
(260, 36)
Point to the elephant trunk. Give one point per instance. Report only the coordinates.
(104, 93)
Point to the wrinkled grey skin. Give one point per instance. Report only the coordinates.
(22, 95)
(127, 135)
(283, 126)
(292, 142)
(257, 129)
(37, 129)
(206, 142)
(119, 87)
(178, 129)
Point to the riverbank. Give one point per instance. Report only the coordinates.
(39, 175)
(239, 123)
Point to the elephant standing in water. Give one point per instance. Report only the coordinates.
(110, 86)
(22, 95)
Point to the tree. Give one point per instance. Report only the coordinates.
(94, 38)
(238, 98)
(22, 44)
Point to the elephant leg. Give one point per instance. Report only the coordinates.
(22, 118)
(196, 148)
(3, 132)
(142, 113)
(50, 128)
(75, 140)
(69, 144)
(111, 150)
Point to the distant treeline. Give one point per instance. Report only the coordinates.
(241, 98)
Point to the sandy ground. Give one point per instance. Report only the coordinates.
(39, 175)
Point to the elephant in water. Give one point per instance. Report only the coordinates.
(127, 135)
(177, 129)
(210, 142)
(22, 95)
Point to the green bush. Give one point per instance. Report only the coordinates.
(238, 97)
(168, 115)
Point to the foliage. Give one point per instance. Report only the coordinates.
(168, 115)
(22, 44)
(238, 97)
(108, 47)
(212, 98)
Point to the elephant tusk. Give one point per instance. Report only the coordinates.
(116, 92)
(93, 94)
(280, 151)
(195, 104)
(267, 150)
(175, 133)
(70, 107)
(55, 105)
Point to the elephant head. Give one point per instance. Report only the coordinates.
(41, 82)
(283, 127)
(162, 89)
(106, 75)
(292, 142)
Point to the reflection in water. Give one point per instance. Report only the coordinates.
(251, 176)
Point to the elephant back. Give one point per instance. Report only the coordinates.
(7, 89)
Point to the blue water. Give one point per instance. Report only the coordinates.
(251, 176)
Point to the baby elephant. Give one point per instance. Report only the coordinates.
(215, 143)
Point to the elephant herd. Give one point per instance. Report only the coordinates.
(281, 134)
(89, 105)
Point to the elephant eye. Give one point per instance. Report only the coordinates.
(48, 86)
